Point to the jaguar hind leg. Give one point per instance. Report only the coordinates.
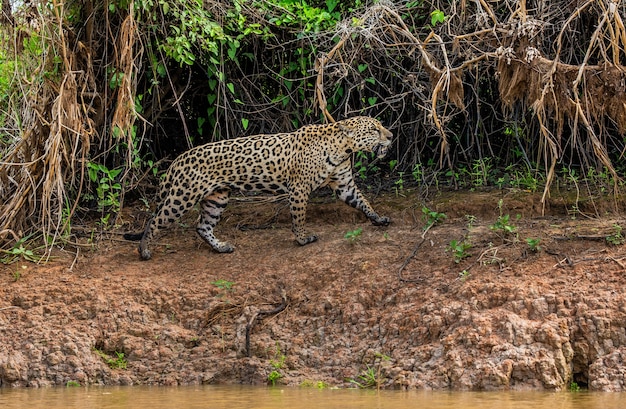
(212, 208)
(172, 208)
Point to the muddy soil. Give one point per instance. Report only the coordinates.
(393, 307)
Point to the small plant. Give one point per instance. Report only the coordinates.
(573, 387)
(418, 173)
(464, 275)
(366, 379)
(399, 184)
(224, 285)
(72, 384)
(459, 249)
(363, 165)
(370, 377)
(322, 385)
(108, 191)
(616, 238)
(360, 166)
(119, 362)
(273, 377)
(533, 244)
(471, 219)
(354, 235)
(432, 217)
(481, 169)
(503, 224)
(392, 164)
(17, 274)
(19, 252)
(277, 364)
(437, 17)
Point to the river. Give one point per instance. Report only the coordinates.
(235, 397)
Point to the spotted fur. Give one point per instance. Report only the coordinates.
(287, 163)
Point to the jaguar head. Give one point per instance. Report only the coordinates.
(367, 134)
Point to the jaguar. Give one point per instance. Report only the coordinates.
(294, 164)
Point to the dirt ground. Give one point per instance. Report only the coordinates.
(391, 308)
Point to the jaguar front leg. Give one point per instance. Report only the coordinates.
(298, 199)
(346, 190)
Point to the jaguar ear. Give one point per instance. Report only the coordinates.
(348, 130)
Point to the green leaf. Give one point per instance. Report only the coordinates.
(331, 4)
(161, 70)
(437, 16)
(113, 173)
(232, 53)
(362, 67)
(231, 87)
(244, 122)
(372, 100)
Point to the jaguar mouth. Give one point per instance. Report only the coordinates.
(381, 150)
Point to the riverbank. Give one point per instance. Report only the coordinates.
(491, 311)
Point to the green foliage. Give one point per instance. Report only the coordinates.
(224, 285)
(20, 252)
(274, 376)
(312, 384)
(503, 224)
(533, 244)
(108, 189)
(299, 14)
(354, 235)
(364, 164)
(432, 217)
(617, 238)
(72, 384)
(192, 30)
(399, 184)
(459, 249)
(117, 362)
(481, 171)
(573, 387)
(366, 379)
(371, 377)
(464, 275)
(277, 364)
(226, 288)
(418, 173)
(437, 17)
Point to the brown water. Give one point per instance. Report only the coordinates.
(231, 397)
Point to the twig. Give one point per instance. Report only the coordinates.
(260, 314)
(407, 261)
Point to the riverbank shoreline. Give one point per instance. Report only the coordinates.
(388, 309)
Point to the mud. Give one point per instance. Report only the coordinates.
(337, 311)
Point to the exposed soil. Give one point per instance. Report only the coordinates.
(337, 311)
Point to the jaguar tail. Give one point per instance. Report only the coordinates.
(133, 236)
